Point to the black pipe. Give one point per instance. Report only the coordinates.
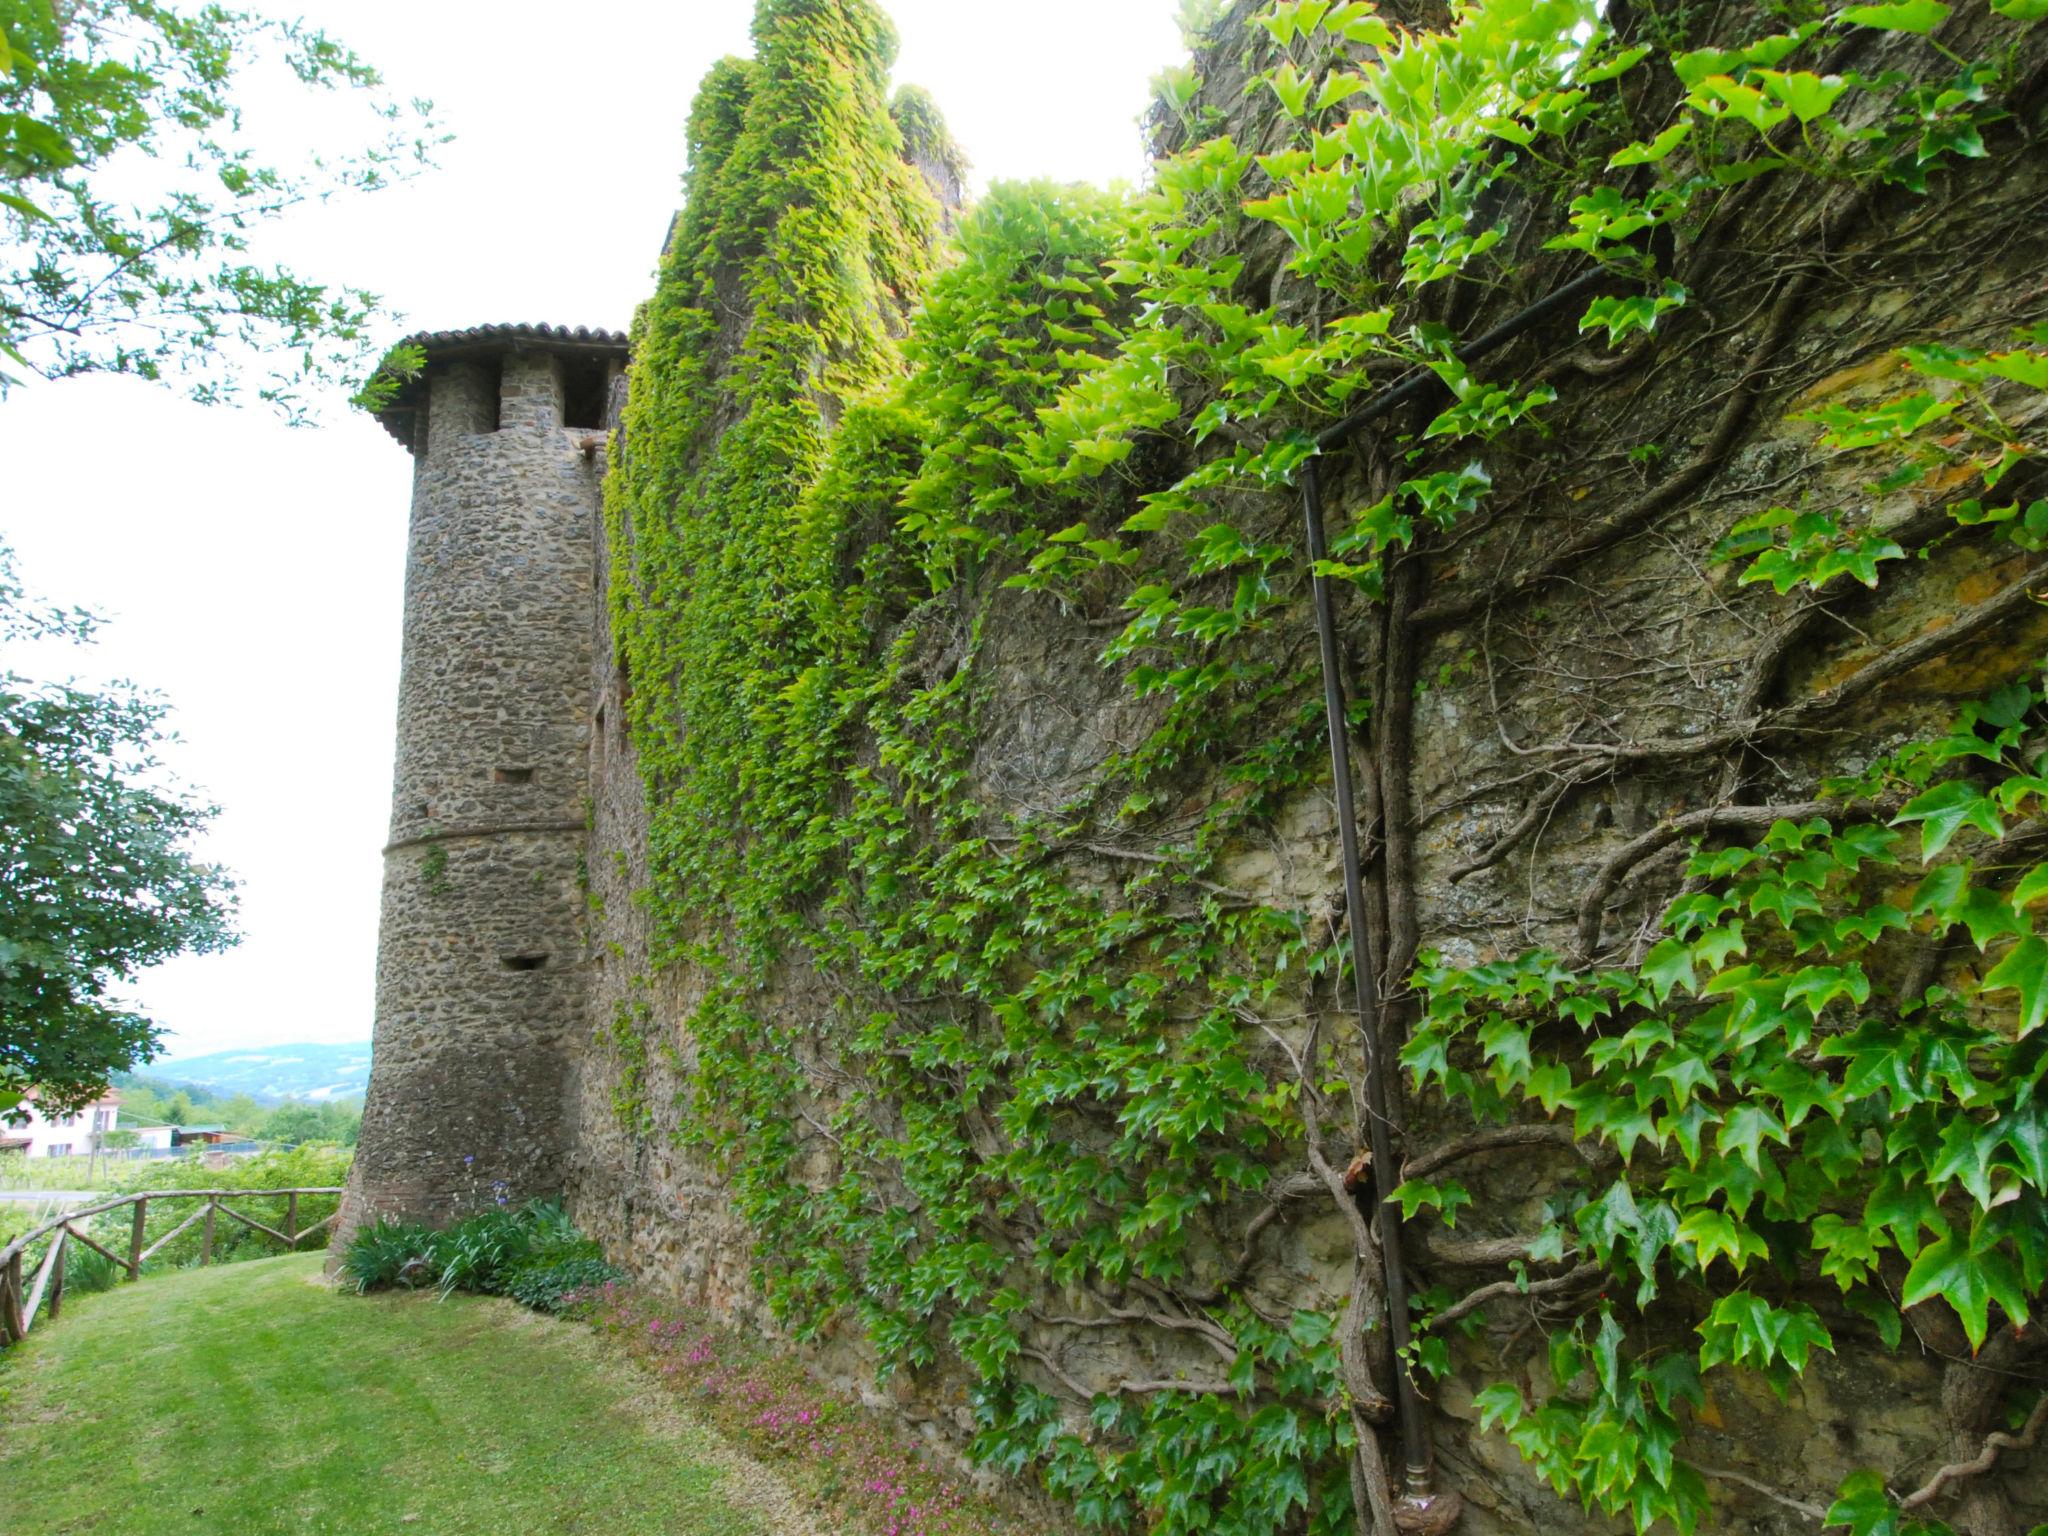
(1416, 1451)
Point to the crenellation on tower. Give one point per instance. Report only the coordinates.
(481, 946)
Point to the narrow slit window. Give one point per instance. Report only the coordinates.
(523, 962)
(512, 775)
(493, 403)
(583, 394)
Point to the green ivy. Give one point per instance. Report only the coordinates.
(958, 1060)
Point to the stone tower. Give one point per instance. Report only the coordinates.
(480, 947)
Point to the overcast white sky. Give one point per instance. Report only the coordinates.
(253, 573)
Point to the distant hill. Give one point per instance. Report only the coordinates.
(276, 1071)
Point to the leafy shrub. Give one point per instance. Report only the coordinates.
(480, 1253)
(549, 1287)
(483, 1252)
(533, 1254)
(390, 1253)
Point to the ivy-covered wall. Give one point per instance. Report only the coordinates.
(971, 977)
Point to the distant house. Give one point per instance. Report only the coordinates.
(73, 1134)
(196, 1136)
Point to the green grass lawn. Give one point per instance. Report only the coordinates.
(251, 1399)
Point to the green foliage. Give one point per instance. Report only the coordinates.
(128, 203)
(387, 1254)
(533, 1254)
(1789, 1102)
(97, 877)
(163, 288)
(556, 1285)
(951, 1067)
(306, 1167)
(150, 1100)
(86, 1272)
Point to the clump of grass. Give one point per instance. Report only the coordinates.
(86, 1271)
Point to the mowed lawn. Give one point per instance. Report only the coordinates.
(252, 1399)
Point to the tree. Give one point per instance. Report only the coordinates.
(127, 201)
(97, 877)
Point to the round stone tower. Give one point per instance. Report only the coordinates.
(480, 948)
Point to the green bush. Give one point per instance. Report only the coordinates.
(479, 1254)
(533, 1253)
(387, 1254)
(549, 1287)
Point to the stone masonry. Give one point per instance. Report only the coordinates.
(480, 950)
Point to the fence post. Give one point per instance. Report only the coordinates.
(135, 1235)
(61, 1263)
(291, 1219)
(11, 1322)
(206, 1237)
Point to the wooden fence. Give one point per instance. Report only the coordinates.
(19, 1306)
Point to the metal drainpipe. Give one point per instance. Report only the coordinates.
(1424, 1507)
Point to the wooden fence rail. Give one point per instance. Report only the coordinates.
(18, 1307)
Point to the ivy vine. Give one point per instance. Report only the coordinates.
(992, 1076)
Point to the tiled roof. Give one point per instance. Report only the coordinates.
(397, 416)
(441, 341)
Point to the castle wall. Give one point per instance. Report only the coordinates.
(1654, 636)
(480, 958)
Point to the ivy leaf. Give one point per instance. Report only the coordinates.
(1945, 810)
(1940, 890)
(1880, 1313)
(1292, 87)
(2025, 971)
(1818, 985)
(2034, 884)
(1745, 1130)
(1863, 1505)
(1905, 1208)
(1656, 149)
(1989, 916)
(1714, 1234)
(2027, 1134)
(1687, 1072)
(1865, 842)
(1715, 945)
(1808, 95)
(1500, 1406)
(1608, 1220)
(1446, 1198)
(1921, 16)
(1746, 1329)
(1969, 1275)
(1669, 966)
(1870, 923)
